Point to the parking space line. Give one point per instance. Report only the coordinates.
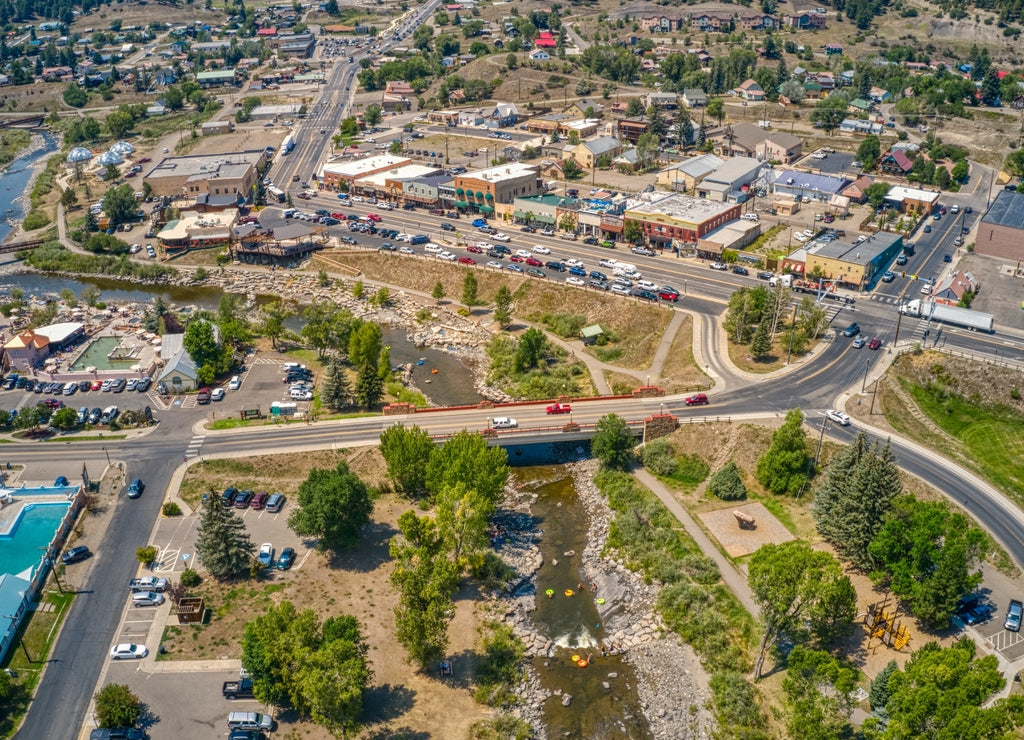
(304, 559)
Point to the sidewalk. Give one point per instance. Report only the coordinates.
(734, 579)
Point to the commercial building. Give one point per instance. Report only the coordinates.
(854, 264)
(913, 200)
(389, 183)
(665, 219)
(192, 230)
(735, 235)
(429, 190)
(730, 180)
(803, 186)
(213, 174)
(587, 153)
(748, 140)
(684, 176)
(336, 173)
(501, 184)
(1001, 229)
(270, 112)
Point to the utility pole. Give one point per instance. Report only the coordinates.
(792, 332)
(821, 438)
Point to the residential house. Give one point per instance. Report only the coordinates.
(631, 129)
(750, 91)
(502, 115)
(860, 105)
(694, 97)
(399, 87)
(539, 55)
(627, 160)
(857, 191)
(665, 100)
(588, 152)
(833, 49)
(747, 140)
(545, 40)
(951, 290)
(913, 200)
(879, 96)
(895, 162)
(858, 126)
(216, 78)
(803, 20)
(55, 74)
(579, 108)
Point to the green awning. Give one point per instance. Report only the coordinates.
(520, 214)
(479, 195)
(461, 204)
(487, 209)
(459, 191)
(543, 218)
(489, 196)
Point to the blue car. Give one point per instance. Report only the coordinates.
(479, 222)
(598, 275)
(578, 271)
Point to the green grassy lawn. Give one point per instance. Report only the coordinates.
(992, 437)
(30, 654)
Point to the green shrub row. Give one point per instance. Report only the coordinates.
(52, 257)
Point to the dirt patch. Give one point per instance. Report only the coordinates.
(724, 527)
(401, 701)
(681, 373)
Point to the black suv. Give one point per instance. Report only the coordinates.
(556, 266)
(228, 497)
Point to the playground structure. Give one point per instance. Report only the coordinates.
(883, 625)
(744, 520)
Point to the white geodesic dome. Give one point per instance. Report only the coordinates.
(110, 157)
(122, 148)
(79, 154)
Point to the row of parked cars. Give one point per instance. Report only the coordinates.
(253, 500)
(53, 388)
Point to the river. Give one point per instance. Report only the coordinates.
(605, 704)
(16, 178)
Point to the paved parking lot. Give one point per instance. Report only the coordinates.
(836, 163)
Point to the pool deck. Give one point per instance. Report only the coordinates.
(10, 513)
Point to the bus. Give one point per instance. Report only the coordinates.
(276, 193)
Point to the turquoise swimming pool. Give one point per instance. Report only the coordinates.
(32, 531)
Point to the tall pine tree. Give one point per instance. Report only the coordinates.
(223, 545)
(851, 503)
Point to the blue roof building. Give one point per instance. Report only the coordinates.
(800, 185)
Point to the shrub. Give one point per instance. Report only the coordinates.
(35, 220)
(191, 578)
(171, 509)
(146, 555)
(564, 324)
(727, 485)
(498, 670)
(659, 457)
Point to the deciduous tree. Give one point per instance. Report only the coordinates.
(120, 205)
(334, 505)
(788, 582)
(469, 289)
(466, 458)
(783, 468)
(407, 450)
(530, 350)
(223, 545)
(612, 442)
(929, 556)
(117, 706)
(818, 695)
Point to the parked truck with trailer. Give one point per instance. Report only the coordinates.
(925, 309)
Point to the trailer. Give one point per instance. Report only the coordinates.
(288, 144)
(973, 320)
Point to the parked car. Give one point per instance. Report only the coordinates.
(740, 270)
(1013, 616)
(217, 394)
(287, 558)
(75, 554)
(128, 650)
(203, 397)
(242, 499)
(266, 555)
(719, 266)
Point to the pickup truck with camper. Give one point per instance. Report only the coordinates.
(147, 583)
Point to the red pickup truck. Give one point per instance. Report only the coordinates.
(558, 408)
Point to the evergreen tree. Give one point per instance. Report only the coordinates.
(727, 484)
(656, 122)
(761, 344)
(223, 545)
(879, 696)
(438, 291)
(702, 137)
(369, 387)
(781, 72)
(336, 392)
(682, 127)
(851, 504)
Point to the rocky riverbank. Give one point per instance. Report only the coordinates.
(672, 684)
